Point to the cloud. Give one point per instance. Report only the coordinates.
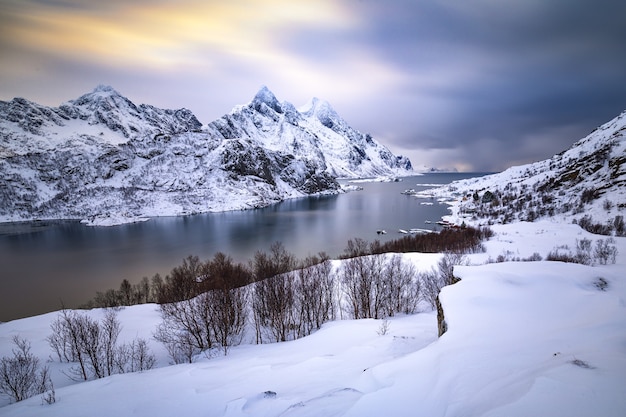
(164, 35)
(435, 80)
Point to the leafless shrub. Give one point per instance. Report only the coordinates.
(618, 225)
(92, 346)
(274, 308)
(21, 376)
(135, 357)
(379, 286)
(179, 345)
(273, 294)
(605, 251)
(403, 289)
(434, 280)
(459, 240)
(601, 284)
(315, 295)
(359, 278)
(227, 315)
(186, 327)
(558, 256)
(384, 328)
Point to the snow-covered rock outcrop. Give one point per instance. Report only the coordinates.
(106, 160)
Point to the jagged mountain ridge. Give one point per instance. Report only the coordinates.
(102, 158)
(314, 130)
(588, 179)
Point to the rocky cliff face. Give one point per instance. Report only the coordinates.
(104, 159)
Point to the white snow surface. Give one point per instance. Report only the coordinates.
(523, 338)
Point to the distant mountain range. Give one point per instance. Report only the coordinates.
(105, 160)
(585, 183)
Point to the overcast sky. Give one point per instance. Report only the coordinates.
(479, 85)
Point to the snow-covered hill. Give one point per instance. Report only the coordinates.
(523, 339)
(587, 180)
(106, 160)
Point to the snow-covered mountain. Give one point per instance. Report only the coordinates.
(587, 181)
(315, 132)
(104, 159)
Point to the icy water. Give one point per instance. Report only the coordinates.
(44, 264)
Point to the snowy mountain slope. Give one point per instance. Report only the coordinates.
(588, 179)
(106, 160)
(104, 114)
(524, 338)
(315, 132)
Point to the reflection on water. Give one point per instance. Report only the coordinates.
(47, 263)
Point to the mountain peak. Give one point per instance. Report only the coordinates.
(322, 111)
(265, 96)
(103, 97)
(102, 88)
(317, 106)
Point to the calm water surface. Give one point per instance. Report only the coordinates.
(46, 263)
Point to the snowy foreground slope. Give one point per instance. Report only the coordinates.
(105, 160)
(524, 338)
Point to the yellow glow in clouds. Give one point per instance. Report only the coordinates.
(164, 35)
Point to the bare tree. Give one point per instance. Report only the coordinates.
(434, 280)
(605, 251)
(186, 327)
(126, 293)
(272, 296)
(215, 317)
(21, 376)
(182, 283)
(179, 345)
(134, 357)
(363, 282)
(403, 289)
(111, 329)
(65, 340)
(314, 292)
(89, 339)
(92, 345)
(156, 288)
(273, 305)
(227, 315)
(357, 286)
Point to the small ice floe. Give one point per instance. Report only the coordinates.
(416, 231)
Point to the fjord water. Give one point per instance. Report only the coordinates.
(45, 264)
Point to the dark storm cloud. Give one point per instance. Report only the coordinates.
(509, 72)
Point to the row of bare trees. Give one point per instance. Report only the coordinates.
(296, 301)
(193, 277)
(377, 286)
(288, 299)
(276, 304)
(93, 347)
